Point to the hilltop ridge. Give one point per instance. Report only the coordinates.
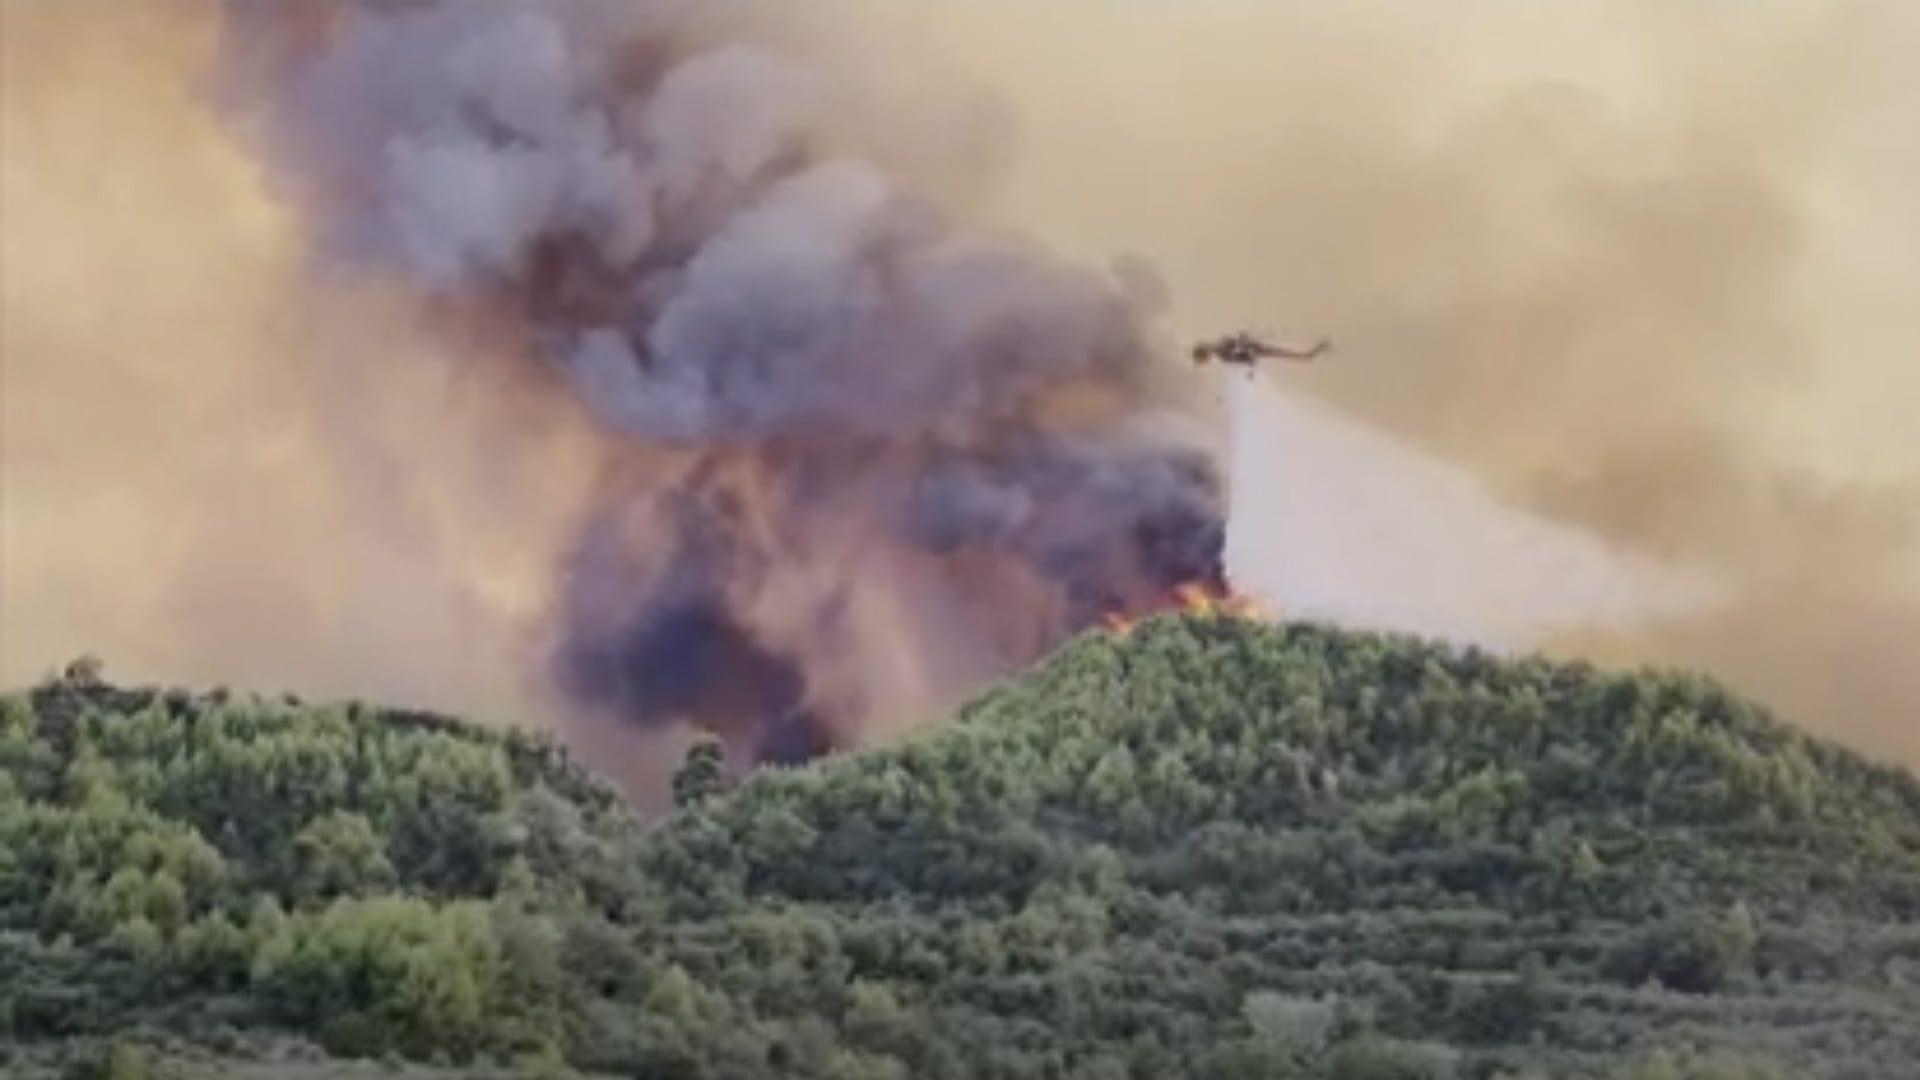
(1207, 848)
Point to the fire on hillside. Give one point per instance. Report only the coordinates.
(1194, 598)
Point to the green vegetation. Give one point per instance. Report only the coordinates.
(1207, 850)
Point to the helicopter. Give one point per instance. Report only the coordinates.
(1247, 351)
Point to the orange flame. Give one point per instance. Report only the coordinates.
(1194, 598)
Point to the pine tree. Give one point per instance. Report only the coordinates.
(702, 774)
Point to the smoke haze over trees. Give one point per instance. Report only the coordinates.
(800, 371)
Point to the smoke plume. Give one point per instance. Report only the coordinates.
(861, 452)
(746, 365)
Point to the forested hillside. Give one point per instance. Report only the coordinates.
(1207, 849)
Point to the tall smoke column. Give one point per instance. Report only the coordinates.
(863, 452)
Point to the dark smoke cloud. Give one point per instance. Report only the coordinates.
(845, 420)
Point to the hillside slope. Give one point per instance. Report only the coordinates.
(1208, 849)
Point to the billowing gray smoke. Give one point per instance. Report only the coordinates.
(863, 451)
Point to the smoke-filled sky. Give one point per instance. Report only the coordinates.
(1642, 274)
(1647, 269)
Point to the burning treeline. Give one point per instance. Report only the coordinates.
(858, 452)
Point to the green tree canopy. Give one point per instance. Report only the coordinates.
(1208, 849)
